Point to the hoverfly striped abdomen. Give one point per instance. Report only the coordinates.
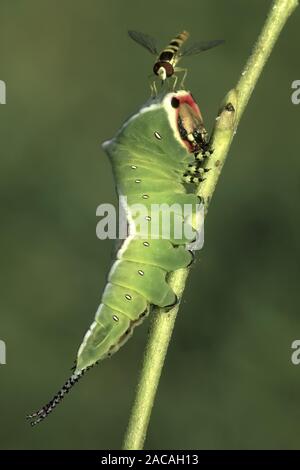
(170, 52)
(167, 59)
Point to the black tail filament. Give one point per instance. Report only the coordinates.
(43, 412)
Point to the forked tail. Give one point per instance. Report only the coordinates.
(43, 412)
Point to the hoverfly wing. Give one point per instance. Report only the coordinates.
(144, 40)
(201, 46)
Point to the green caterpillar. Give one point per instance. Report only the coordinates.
(154, 154)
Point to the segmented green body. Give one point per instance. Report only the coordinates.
(153, 154)
(148, 160)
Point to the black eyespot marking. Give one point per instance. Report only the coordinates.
(141, 273)
(128, 297)
(146, 244)
(148, 217)
(133, 167)
(175, 102)
(137, 181)
(145, 196)
(157, 135)
(115, 318)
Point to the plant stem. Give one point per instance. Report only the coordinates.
(225, 127)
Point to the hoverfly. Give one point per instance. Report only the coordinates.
(166, 62)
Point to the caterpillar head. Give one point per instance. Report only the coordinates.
(188, 123)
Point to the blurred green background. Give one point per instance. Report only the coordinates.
(73, 76)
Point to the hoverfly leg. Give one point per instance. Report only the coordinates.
(184, 71)
(152, 85)
(154, 88)
(175, 82)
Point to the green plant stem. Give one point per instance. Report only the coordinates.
(227, 120)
